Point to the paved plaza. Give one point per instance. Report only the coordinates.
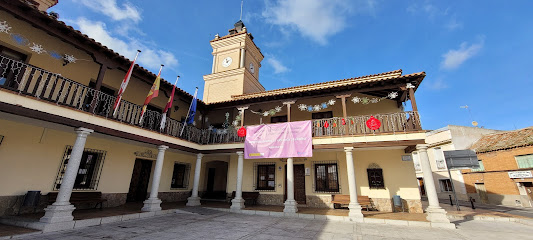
(218, 225)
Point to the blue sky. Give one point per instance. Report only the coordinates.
(475, 53)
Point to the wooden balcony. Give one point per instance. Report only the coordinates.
(32, 81)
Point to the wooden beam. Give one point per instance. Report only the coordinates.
(413, 100)
(410, 149)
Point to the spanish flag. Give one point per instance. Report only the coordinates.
(154, 91)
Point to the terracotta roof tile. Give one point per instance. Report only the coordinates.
(507, 140)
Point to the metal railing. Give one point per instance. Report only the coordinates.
(33, 81)
(356, 125)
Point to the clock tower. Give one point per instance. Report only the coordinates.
(236, 63)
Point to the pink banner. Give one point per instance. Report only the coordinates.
(281, 140)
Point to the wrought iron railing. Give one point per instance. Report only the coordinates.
(33, 81)
(356, 125)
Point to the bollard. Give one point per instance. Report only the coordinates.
(472, 203)
(451, 201)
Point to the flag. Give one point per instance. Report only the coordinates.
(124, 84)
(154, 91)
(191, 112)
(168, 106)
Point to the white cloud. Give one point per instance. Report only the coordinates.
(149, 57)
(455, 57)
(276, 64)
(110, 8)
(453, 24)
(437, 84)
(315, 19)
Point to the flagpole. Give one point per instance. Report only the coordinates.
(125, 83)
(185, 122)
(158, 75)
(171, 98)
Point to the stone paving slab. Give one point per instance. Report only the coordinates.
(226, 225)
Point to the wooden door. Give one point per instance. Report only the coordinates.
(139, 180)
(480, 189)
(421, 187)
(299, 183)
(211, 179)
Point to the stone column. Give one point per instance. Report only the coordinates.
(355, 208)
(214, 64)
(194, 200)
(238, 203)
(153, 203)
(61, 209)
(290, 203)
(434, 211)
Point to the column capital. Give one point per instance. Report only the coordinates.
(288, 102)
(83, 131)
(199, 156)
(242, 108)
(162, 147)
(240, 153)
(422, 147)
(348, 149)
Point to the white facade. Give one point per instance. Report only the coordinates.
(448, 138)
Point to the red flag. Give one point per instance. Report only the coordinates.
(154, 91)
(124, 84)
(168, 106)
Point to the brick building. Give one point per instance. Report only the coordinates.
(505, 174)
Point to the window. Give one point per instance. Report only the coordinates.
(88, 172)
(445, 185)
(321, 115)
(524, 161)
(439, 158)
(180, 175)
(375, 176)
(481, 168)
(266, 177)
(278, 119)
(416, 162)
(326, 178)
(10, 73)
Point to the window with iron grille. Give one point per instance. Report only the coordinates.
(445, 185)
(322, 115)
(375, 178)
(89, 171)
(180, 176)
(326, 177)
(265, 176)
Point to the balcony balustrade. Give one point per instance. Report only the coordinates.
(36, 82)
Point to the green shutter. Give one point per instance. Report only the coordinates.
(525, 161)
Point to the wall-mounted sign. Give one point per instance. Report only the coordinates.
(520, 174)
(307, 171)
(461, 159)
(406, 158)
(146, 154)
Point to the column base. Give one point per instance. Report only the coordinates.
(152, 205)
(193, 201)
(437, 214)
(237, 204)
(355, 211)
(290, 206)
(58, 213)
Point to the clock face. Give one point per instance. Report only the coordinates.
(252, 69)
(226, 62)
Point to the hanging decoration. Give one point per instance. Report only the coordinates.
(366, 100)
(317, 107)
(326, 124)
(237, 120)
(35, 47)
(343, 122)
(373, 123)
(241, 132)
(225, 125)
(270, 112)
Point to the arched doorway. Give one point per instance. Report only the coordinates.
(216, 180)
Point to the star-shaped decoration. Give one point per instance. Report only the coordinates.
(302, 107)
(374, 100)
(278, 109)
(392, 95)
(316, 108)
(4, 27)
(331, 102)
(409, 85)
(265, 113)
(70, 58)
(356, 100)
(37, 48)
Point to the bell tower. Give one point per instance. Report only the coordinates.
(236, 63)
